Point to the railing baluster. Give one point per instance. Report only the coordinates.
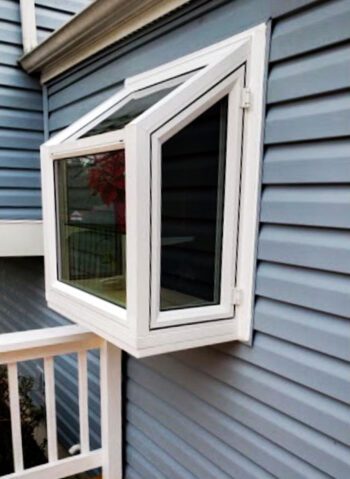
(50, 400)
(83, 403)
(15, 413)
(47, 344)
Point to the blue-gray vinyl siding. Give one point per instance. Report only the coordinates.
(21, 124)
(21, 109)
(281, 407)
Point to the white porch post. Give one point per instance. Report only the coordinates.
(111, 411)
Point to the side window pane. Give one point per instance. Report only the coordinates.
(133, 108)
(192, 197)
(91, 224)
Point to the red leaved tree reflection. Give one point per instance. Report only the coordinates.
(107, 178)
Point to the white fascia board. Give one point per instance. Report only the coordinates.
(21, 238)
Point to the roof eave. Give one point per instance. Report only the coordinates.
(100, 24)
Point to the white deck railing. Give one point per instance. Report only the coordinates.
(46, 344)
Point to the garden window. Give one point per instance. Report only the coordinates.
(150, 204)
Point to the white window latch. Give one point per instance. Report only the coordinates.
(236, 296)
(246, 100)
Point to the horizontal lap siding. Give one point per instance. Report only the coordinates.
(21, 112)
(281, 407)
(302, 336)
(21, 124)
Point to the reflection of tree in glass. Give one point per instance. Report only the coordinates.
(107, 178)
(32, 416)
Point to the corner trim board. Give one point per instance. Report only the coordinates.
(29, 34)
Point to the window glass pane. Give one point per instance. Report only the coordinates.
(133, 108)
(91, 224)
(136, 104)
(193, 173)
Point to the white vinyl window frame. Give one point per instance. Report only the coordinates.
(223, 69)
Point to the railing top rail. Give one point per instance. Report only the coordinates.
(46, 344)
(41, 343)
(44, 337)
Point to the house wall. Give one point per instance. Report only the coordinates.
(280, 407)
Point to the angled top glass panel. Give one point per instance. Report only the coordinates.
(134, 105)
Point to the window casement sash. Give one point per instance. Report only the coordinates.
(66, 296)
(231, 86)
(174, 112)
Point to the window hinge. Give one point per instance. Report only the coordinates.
(236, 296)
(246, 100)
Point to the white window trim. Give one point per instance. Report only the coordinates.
(118, 326)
